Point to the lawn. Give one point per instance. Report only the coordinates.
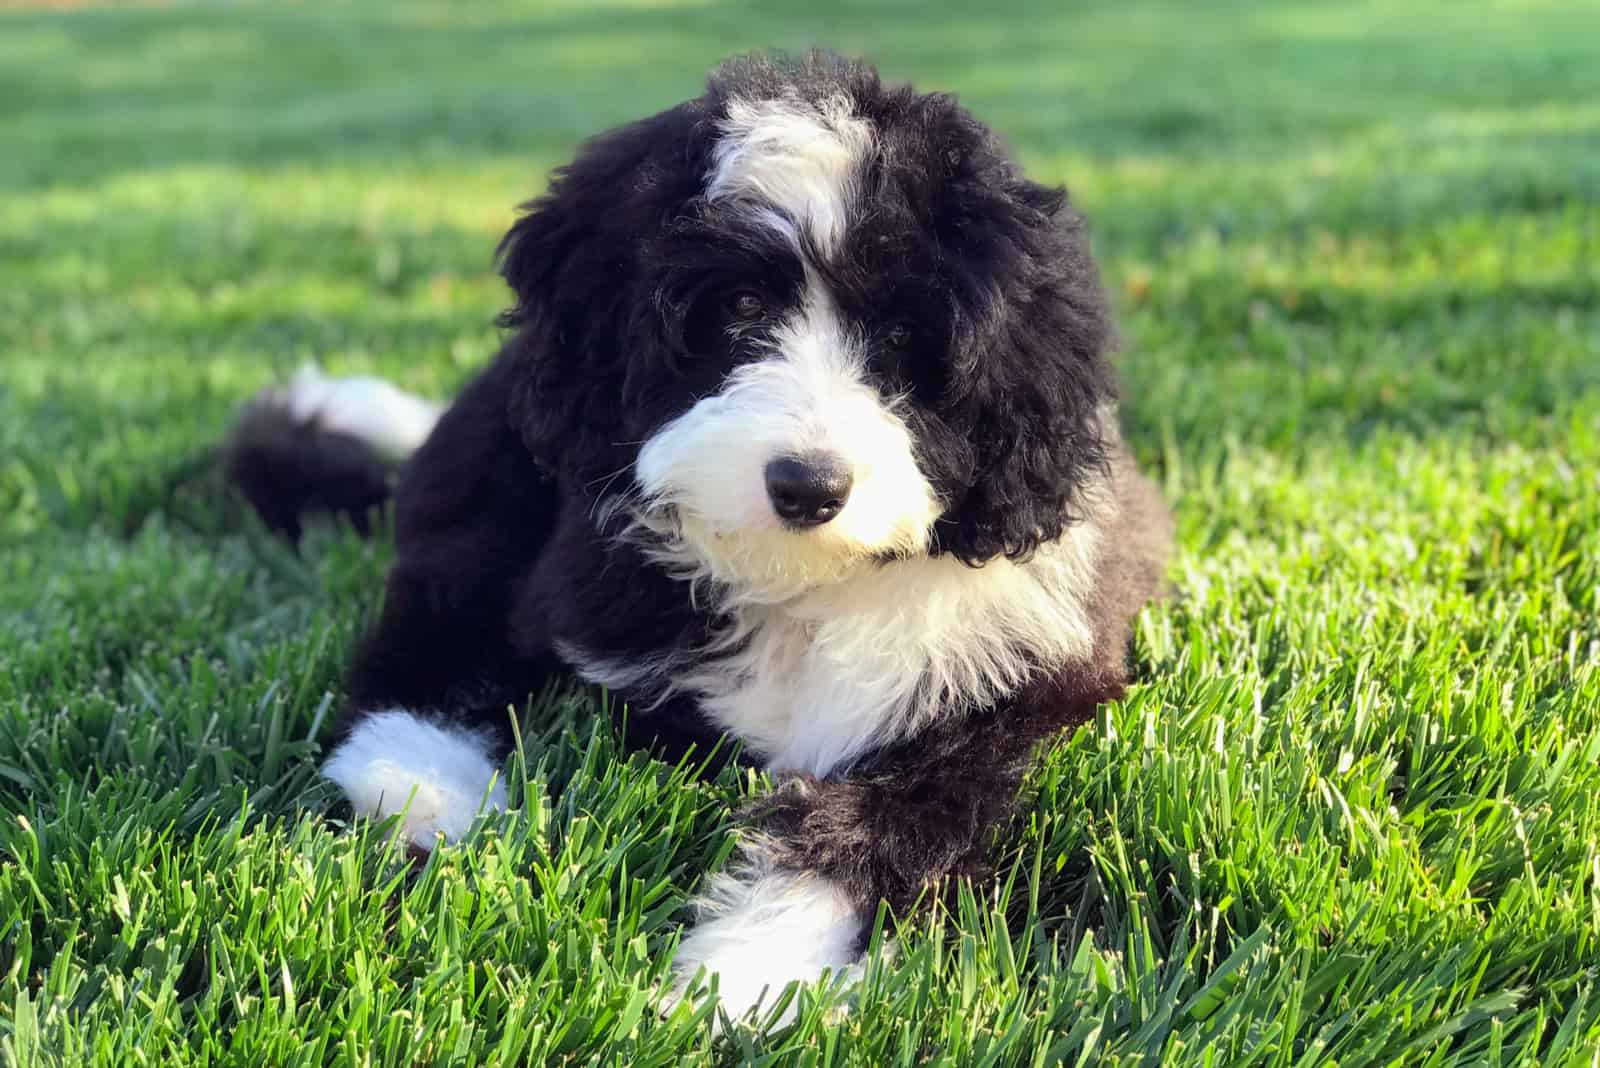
(1349, 815)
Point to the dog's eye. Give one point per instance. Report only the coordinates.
(899, 335)
(746, 306)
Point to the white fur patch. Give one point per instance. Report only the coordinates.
(813, 681)
(440, 776)
(796, 162)
(760, 929)
(381, 414)
(706, 469)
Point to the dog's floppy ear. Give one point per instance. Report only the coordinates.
(533, 254)
(572, 262)
(1038, 382)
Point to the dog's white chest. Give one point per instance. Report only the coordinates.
(816, 682)
(805, 700)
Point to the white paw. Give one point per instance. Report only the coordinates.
(379, 413)
(440, 777)
(760, 929)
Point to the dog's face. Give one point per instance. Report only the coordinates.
(806, 322)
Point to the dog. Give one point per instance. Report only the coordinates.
(804, 433)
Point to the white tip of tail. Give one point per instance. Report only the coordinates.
(386, 417)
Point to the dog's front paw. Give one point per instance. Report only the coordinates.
(438, 777)
(762, 928)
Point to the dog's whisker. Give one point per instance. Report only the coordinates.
(609, 478)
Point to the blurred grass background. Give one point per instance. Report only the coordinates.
(1353, 813)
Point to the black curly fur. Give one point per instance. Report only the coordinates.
(290, 468)
(615, 271)
(607, 267)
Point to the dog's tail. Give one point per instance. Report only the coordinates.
(324, 445)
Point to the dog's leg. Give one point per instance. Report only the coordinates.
(826, 852)
(436, 680)
(440, 776)
(761, 926)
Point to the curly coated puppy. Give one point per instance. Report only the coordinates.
(804, 432)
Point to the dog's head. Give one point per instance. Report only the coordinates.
(805, 322)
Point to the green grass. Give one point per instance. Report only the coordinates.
(1351, 813)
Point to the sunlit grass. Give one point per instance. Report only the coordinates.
(1351, 813)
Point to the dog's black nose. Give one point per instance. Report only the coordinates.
(807, 490)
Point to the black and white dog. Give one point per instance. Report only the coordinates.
(804, 433)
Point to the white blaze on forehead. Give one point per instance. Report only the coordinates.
(811, 395)
(797, 159)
